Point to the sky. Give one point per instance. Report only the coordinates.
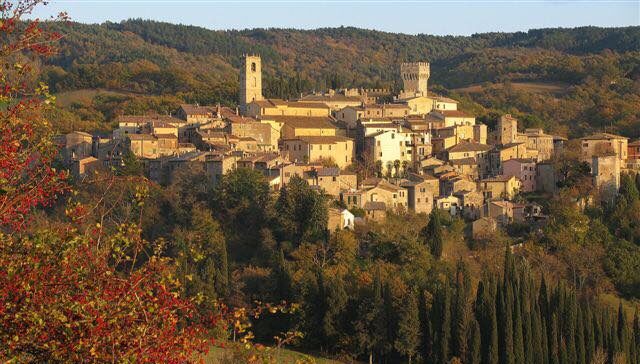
(438, 17)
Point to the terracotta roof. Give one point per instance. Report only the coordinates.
(445, 99)
(141, 137)
(605, 136)
(375, 205)
(328, 171)
(453, 113)
(302, 121)
(521, 160)
(469, 147)
(464, 161)
(292, 104)
(322, 139)
(508, 145)
(166, 136)
(329, 98)
(501, 178)
(191, 109)
(143, 119)
(371, 181)
(240, 119)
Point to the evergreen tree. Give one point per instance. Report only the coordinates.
(554, 344)
(432, 234)
(636, 336)
(505, 326)
(518, 338)
(589, 339)
(426, 345)
(408, 336)
(459, 314)
(579, 345)
(473, 354)
(569, 326)
(282, 279)
(442, 314)
(537, 334)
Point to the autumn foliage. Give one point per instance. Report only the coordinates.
(68, 293)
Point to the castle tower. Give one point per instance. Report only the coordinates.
(415, 77)
(250, 81)
(507, 130)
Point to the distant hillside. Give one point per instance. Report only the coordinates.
(178, 62)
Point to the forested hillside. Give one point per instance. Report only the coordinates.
(165, 64)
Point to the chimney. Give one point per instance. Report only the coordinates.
(237, 112)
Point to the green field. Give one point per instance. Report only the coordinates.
(221, 355)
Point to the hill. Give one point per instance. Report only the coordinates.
(174, 63)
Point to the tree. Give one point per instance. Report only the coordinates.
(240, 200)
(432, 234)
(302, 212)
(67, 295)
(408, 336)
(27, 150)
(473, 355)
(201, 258)
(131, 166)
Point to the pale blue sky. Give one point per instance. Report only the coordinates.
(457, 17)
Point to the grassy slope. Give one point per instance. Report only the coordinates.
(284, 356)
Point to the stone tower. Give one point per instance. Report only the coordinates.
(250, 81)
(507, 130)
(415, 77)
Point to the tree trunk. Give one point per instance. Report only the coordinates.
(370, 358)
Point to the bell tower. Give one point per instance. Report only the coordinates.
(250, 81)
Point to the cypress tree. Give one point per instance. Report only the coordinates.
(543, 301)
(473, 354)
(444, 325)
(282, 279)
(622, 331)
(554, 348)
(505, 328)
(597, 331)
(536, 338)
(544, 342)
(485, 310)
(581, 355)
(432, 234)
(569, 326)
(426, 343)
(408, 336)
(636, 336)
(587, 328)
(529, 341)
(459, 314)
(518, 341)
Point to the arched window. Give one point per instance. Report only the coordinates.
(253, 66)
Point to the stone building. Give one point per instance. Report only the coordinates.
(250, 81)
(415, 79)
(604, 144)
(319, 148)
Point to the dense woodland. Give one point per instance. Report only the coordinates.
(116, 268)
(157, 65)
(412, 288)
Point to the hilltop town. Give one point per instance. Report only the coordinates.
(369, 150)
(345, 196)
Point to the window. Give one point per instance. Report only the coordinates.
(253, 66)
(334, 178)
(395, 195)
